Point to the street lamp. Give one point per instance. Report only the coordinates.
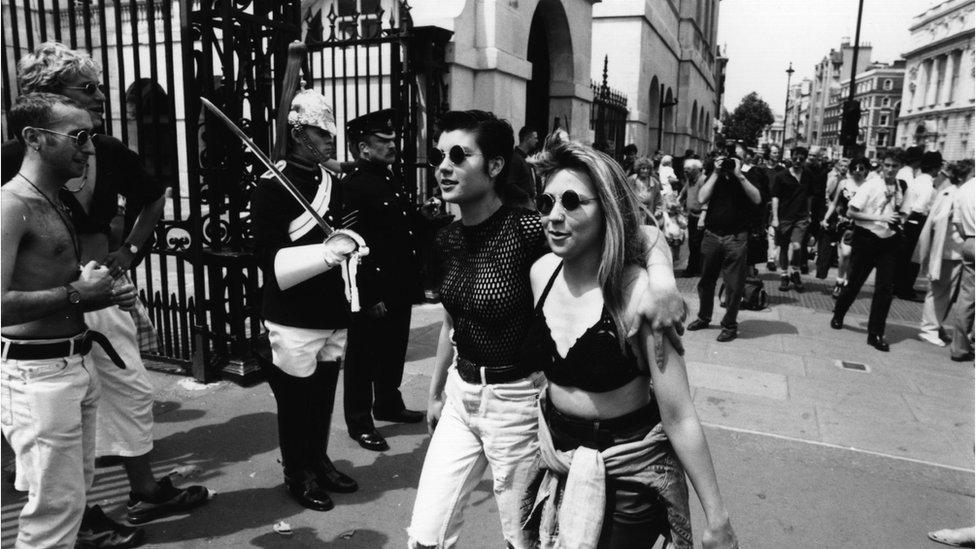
(786, 107)
(660, 115)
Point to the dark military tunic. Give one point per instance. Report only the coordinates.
(278, 221)
(382, 213)
(380, 210)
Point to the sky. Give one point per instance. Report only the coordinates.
(762, 37)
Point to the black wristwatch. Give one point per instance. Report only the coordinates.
(74, 296)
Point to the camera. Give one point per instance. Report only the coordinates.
(728, 163)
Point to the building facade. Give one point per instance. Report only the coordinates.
(879, 91)
(938, 99)
(797, 113)
(827, 74)
(662, 55)
(773, 133)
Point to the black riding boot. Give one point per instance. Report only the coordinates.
(326, 379)
(294, 396)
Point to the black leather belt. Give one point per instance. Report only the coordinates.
(473, 373)
(81, 344)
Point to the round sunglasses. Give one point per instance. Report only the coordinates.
(81, 137)
(569, 200)
(90, 88)
(457, 154)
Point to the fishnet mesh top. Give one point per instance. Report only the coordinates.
(485, 283)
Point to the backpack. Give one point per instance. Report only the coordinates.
(754, 296)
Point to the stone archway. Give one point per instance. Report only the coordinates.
(550, 50)
(653, 118)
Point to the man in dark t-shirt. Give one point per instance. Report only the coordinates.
(732, 201)
(790, 190)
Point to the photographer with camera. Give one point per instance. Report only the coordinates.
(791, 191)
(732, 201)
(874, 245)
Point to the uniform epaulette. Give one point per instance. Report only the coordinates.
(281, 167)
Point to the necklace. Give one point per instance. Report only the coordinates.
(64, 214)
(84, 181)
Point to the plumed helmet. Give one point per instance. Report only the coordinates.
(310, 108)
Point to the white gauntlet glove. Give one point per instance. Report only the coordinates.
(297, 264)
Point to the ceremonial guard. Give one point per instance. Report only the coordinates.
(389, 279)
(304, 307)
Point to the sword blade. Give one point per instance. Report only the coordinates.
(251, 146)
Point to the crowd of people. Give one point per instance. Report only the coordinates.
(559, 363)
(905, 213)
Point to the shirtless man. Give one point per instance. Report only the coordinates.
(49, 415)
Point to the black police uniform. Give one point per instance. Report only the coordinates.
(304, 403)
(381, 211)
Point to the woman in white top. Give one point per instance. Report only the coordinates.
(874, 245)
(665, 172)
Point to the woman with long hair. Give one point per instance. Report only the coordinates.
(482, 404)
(617, 430)
(648, 190)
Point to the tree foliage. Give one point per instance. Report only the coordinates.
(747, 121)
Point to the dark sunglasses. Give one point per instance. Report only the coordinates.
(90, 88)
(569, 200)
(457, 154)
(81, 137)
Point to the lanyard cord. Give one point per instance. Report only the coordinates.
(61, 211)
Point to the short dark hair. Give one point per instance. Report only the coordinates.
(35, 110)
(912, 155)
(493, 136)
(931, 161)
(630, 149)
(525, 132)
(860, 161)
(800, 150)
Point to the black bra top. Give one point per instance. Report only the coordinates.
(594, 363)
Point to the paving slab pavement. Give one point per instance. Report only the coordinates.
(808, 454)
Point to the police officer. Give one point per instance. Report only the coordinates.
(389, 281)
(304, 302)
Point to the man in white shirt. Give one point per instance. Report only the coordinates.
(914, 210)
(909, 160)
(874, 210)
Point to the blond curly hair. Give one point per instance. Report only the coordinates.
(50, 66)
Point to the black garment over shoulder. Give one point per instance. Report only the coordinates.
(594, 363)
(485, 283)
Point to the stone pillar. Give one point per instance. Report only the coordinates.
(931, 90)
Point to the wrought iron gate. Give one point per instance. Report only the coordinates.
(158, 58)
(138, 45)
(608, 116)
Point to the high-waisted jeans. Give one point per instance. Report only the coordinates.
(481, 426)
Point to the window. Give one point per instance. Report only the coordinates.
(369, 20)
(881, 141)
(888, 84)
(883, 120)
(886, 102)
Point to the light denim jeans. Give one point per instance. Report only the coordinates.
(48, 416)
(481, 426)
